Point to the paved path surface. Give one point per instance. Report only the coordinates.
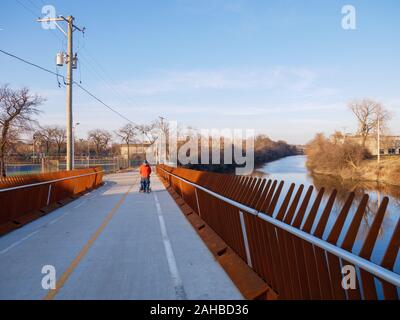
(113, 243)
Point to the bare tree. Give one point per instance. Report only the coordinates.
(17, 109)
(368, 113)
(60, 137)
(45, 135)
(150, 131)
(127, 134)
(100, 138)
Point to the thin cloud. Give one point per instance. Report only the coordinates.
(279, 78)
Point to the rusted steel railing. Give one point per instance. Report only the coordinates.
(25, 198)
(292, 250)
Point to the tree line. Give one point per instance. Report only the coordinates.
(18, 111)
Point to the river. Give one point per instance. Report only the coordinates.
(293, 170)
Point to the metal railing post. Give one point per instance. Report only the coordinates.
(197, 201)
(48, 195)
(180, 186)
(245, 239)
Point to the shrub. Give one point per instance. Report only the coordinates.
(333, 154)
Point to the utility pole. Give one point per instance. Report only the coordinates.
(71, 62)
(88, 153)
(70, 138)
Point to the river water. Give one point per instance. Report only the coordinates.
(293, 170)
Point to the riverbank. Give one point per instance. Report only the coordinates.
(388, 171)
(265, 151)
(231, 168)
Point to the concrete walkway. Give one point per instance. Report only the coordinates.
(113, 243)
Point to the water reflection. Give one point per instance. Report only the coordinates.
(293, 170)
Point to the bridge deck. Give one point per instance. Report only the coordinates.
(113, 243)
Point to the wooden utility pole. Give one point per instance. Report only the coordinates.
(71, 64)
(69, 80)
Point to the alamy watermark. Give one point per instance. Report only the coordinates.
(206, 146)
(49, 280)
(349, 280)
(49, 12)
(349, 19)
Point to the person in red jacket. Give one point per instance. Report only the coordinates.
(145, 171)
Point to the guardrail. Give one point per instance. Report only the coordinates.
(288, 250)
(25, 198)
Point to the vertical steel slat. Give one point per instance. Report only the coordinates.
(308, 249)
(301, 212)
(319, 231)
(298, 248)
(369, 288)
(285, 204)
(276, 266)
(294, 264)
(259, 253)
(244, 189)
(292, 209)
(268, 198)
(348, 242)
(286, 245)
(265, 191)
(253, 243)
(313, 212)
(288, 288)
(271, 208)
(249, 192)
(334, 262)
(320, 256)
(236, 186)
(388, 261)
(266, 256)
(254, 193)
(258, 193)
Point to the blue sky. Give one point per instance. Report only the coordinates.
(284, 67)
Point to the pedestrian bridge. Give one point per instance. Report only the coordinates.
(195, 236)
(113, 243)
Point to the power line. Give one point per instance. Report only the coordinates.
(98, 75)
(103, 103)
(104, 75)
(26, 8)
(34, 4)
(32, 64)
(93, 70)
(76, 83)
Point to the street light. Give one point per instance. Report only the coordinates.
(379, 140)
(73, 144)
(81, 141)
(88, 152)
(34, 137)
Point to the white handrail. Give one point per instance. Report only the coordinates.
(350, 257)
(48, 182)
